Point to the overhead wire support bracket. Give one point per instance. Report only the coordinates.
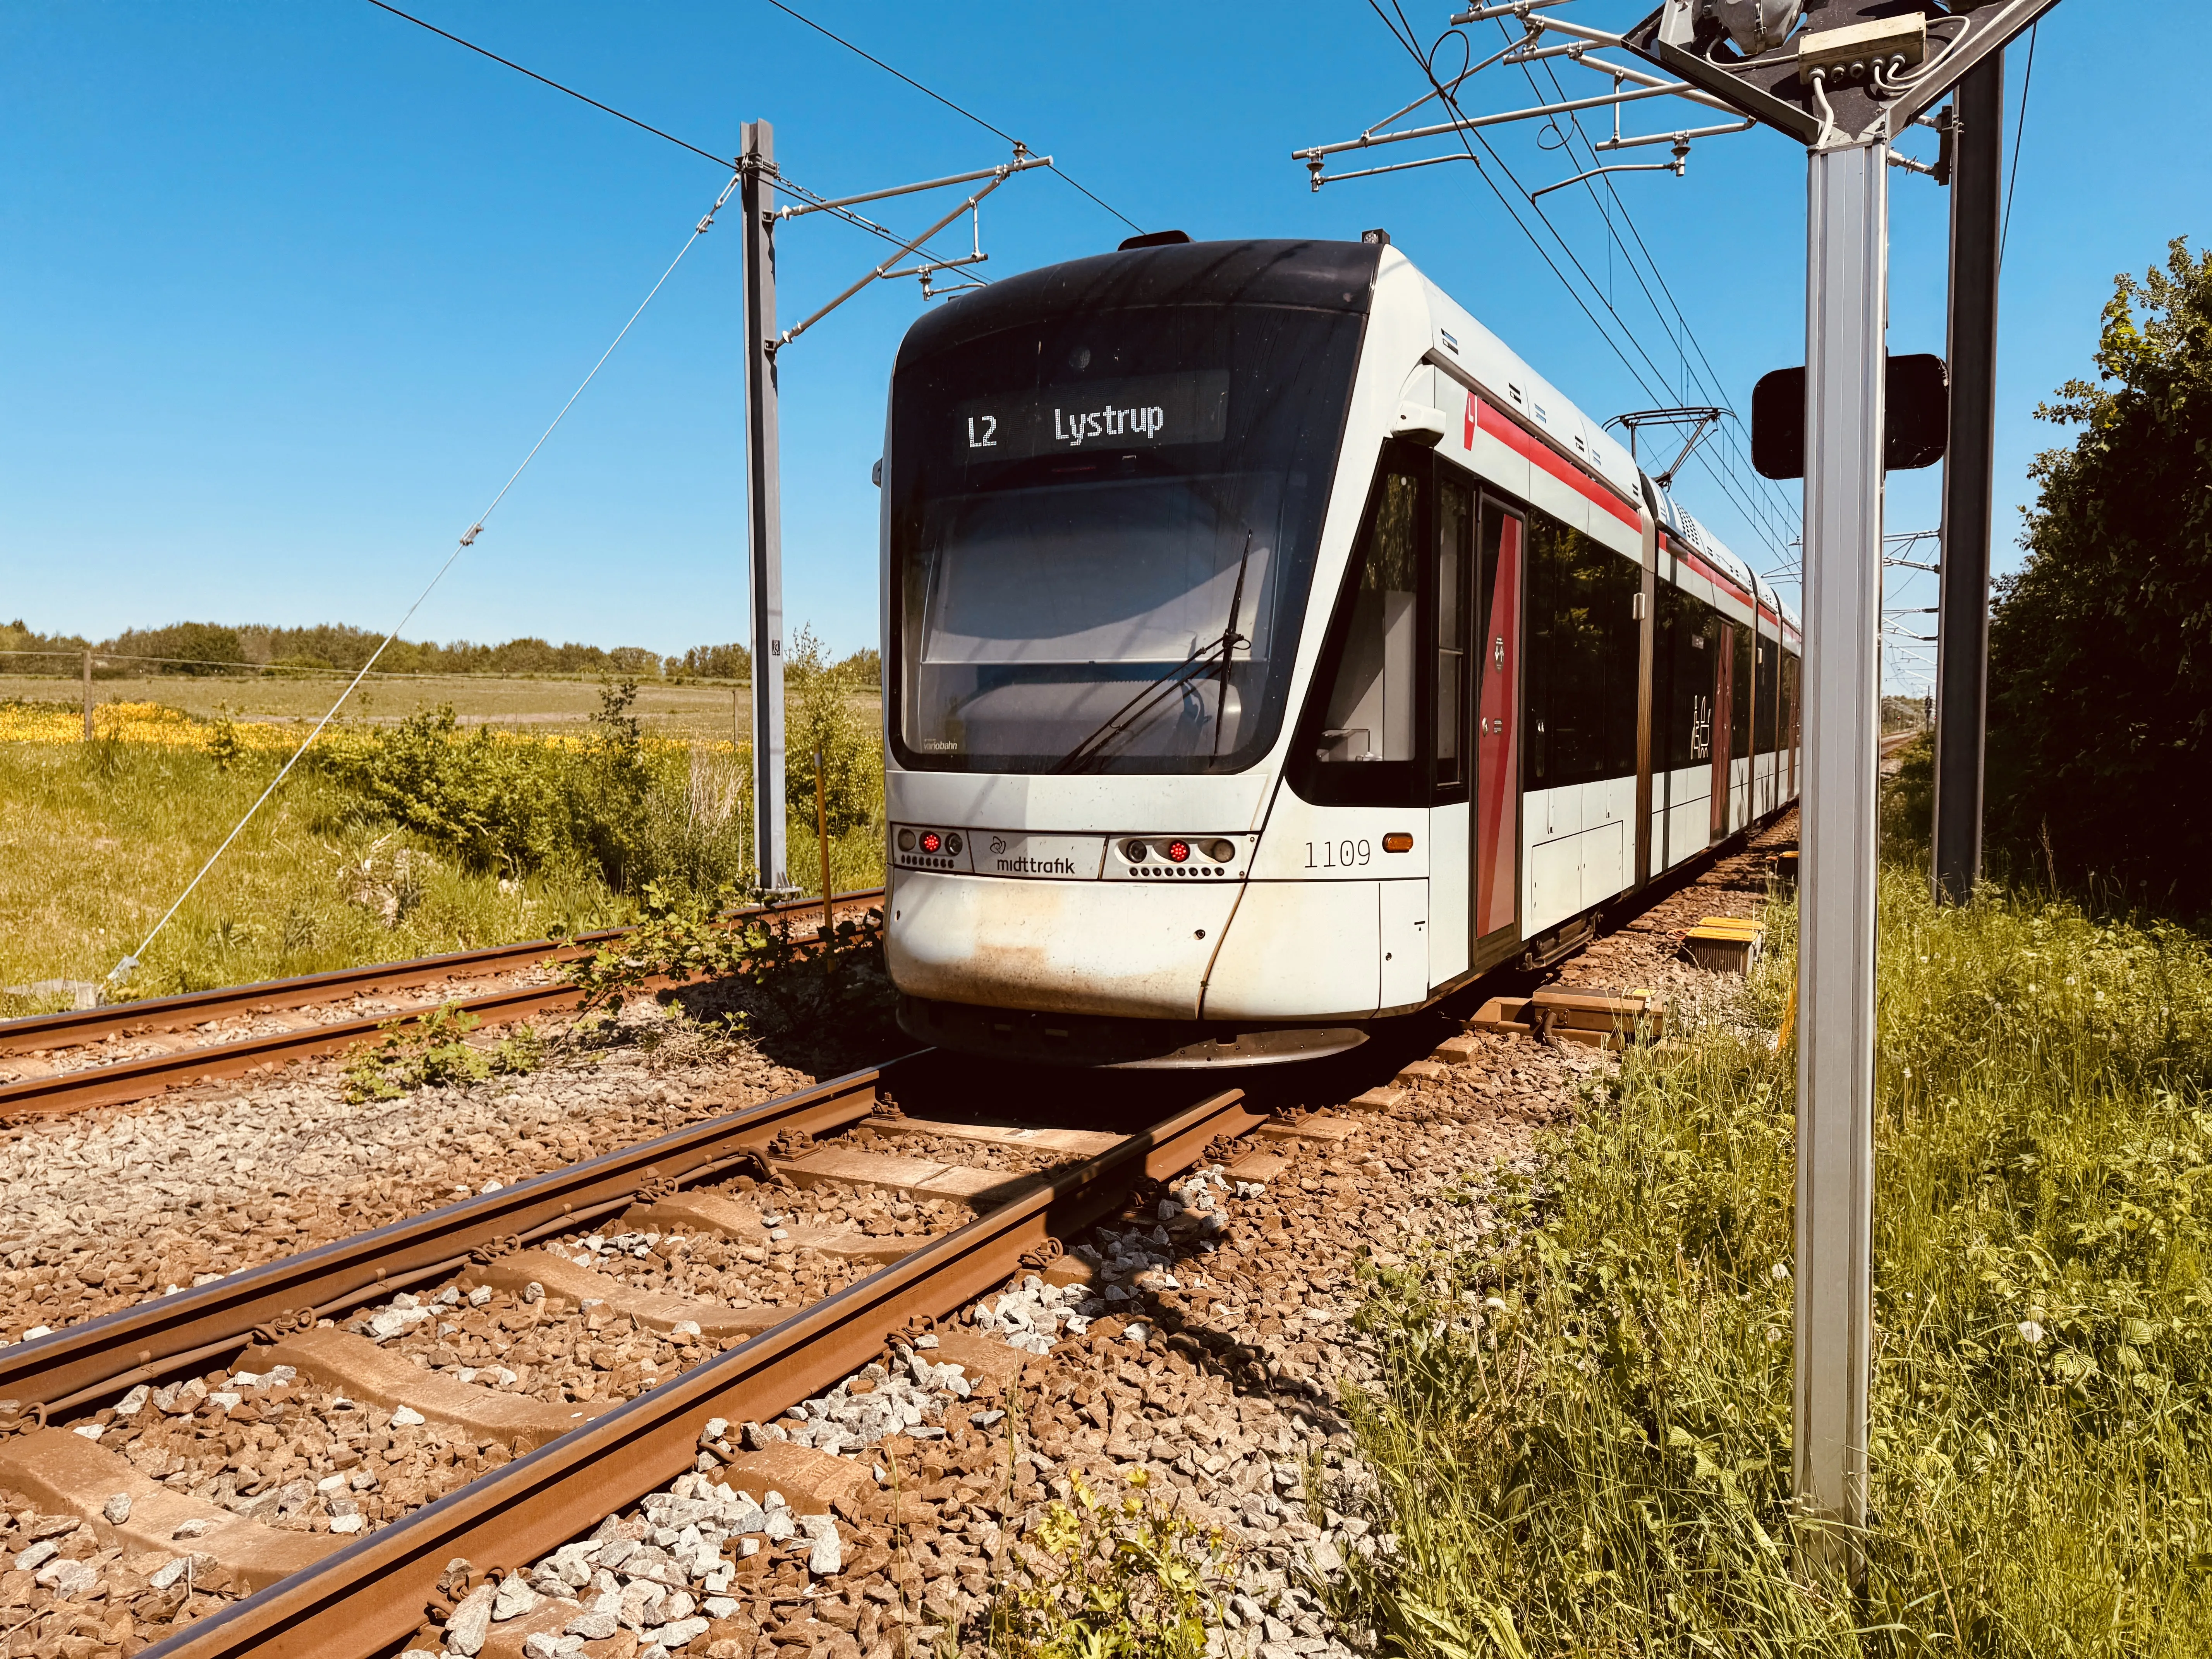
(1476, 123)
(1686, 135)
(1023, 162)
(1701, 419)
(1320, 178)
(808, 206)
(1677, 166)
(1632, 82)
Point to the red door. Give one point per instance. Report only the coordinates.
(1495, 844)
(1723, 724)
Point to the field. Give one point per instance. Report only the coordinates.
(698, 712)
(1583, 1445)
(387, 841)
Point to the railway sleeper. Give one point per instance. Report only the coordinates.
(510, 1512)
(64, 1473)
(234, 1554)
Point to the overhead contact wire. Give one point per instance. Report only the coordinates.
(1764, 493)
(1402, 30)
(468, 540)
(643, 126)
(849, 217)
(2019, 142)
(1412, 48)
(927, 92)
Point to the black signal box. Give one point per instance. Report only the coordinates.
(1919, 399)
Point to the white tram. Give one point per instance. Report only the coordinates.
(1269, 651)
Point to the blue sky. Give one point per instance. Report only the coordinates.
(286, 291)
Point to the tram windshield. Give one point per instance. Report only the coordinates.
(1103, 533)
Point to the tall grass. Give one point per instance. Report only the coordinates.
(386, 843)
(1581, 1441)
(96, 840)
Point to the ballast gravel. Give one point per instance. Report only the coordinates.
(119, 1205)
(1197, 1367)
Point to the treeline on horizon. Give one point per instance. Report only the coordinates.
(190, 648)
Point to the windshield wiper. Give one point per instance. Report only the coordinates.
(1230, 640)
(1148, 696)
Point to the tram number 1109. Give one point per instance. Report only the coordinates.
(1339, 854)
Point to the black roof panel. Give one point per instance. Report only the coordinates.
(1321, 276)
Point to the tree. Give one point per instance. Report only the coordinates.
(2100, 672)
(185, 647)
(712, 662)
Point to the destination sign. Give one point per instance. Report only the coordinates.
(1115, 416)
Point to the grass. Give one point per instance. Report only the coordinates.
(97, 840)
(372, 851)
(1581, 1444)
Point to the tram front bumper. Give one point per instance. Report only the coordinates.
(1119, 949)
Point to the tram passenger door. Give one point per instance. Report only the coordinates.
(1496, 846)
(1723, 724)
(1450, 825)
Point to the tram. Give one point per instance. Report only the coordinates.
(1270, 651)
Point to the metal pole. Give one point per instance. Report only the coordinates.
(1847, 201)
(764, 503)
(1962, 626)
(822, 827)
(88, 694)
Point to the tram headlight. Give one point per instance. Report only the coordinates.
(906, 840)
(1134, 850)
(932, 842)
(1220, 851)
(953, 843)
(1178, 852)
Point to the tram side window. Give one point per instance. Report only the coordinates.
(1769, 683)
(1687, 649)
(1580, 708)
(1740, 720)
(1454, 592)
(1363, 743)
(1792, 666)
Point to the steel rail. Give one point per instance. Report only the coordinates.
(142, 1343)
(127, 1080)
(76, 1027)
(370, 1595)
(124, 1080)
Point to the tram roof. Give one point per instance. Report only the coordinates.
(1312, 274)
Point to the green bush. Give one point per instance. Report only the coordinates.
(2100, 645)
(493, 805)
(823, 713)
(631, 812)
(1582, 1441)
(1097, 1580)
(435, 1053)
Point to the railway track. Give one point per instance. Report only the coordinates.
(900, 1217)
(67, 1062)
(495, 1441)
